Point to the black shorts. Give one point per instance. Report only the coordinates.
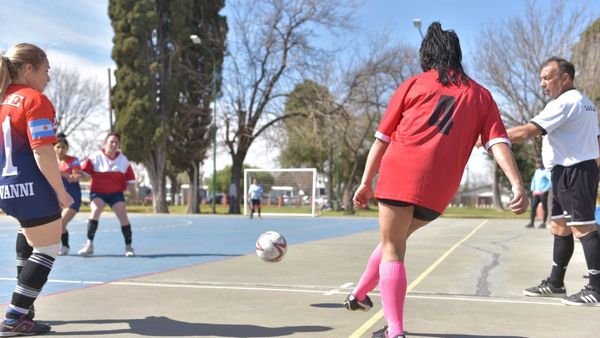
(255, 203)
(31, 223)
(575, 189)
(420, 213)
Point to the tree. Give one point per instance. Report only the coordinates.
(271, 48)
(75, 99)
(306, 136)
(586, 57)
(198, 78)
(152, 57)
(510, 55)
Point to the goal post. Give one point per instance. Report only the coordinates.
(286, 192)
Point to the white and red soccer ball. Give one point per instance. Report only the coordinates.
(271, 247)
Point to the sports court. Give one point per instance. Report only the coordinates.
(198, 276)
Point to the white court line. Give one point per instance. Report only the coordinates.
(334, 291)
(292, 288)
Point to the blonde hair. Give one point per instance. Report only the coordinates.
(14, 59)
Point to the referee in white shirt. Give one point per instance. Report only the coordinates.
(570, 148)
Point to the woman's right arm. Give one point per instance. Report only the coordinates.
(45, 157)
(363, 193)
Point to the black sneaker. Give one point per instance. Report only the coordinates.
(529, 225)
(352, 303)
(22, 327)
(383, 334)
(588, 296)
(545, 289)
(542, 226)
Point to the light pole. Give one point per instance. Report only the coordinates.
(198, 41)
(417, 24)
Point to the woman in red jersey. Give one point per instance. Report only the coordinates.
(70, 170)
(421, 148)
(31, 189)
(110, 174)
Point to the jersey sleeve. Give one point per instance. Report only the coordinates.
(75, 165)
(129, 175)
(393, 113)
(87, 167)
(552, 117)
(493, 130)
(41, 125)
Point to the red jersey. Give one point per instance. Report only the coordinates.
(69, 164)
(432, 130)
(109, 175)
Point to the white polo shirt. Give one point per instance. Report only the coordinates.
(569, 124)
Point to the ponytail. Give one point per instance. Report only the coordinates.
(4, 76)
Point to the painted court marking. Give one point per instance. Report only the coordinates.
(335, 291)
(377, 316)
(289, 288)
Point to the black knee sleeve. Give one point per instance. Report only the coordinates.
(24, 250)
(126, 230)
(92, 228)
(64, 239)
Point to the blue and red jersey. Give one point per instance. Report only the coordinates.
(28, 122)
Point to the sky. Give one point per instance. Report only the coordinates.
(78, 34)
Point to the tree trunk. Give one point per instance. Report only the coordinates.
(236, 178)
(193, 206)
(155, 165)
(496, 189)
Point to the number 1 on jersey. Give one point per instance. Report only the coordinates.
(9, 169)
(445, 108)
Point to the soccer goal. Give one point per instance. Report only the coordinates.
(286, 192)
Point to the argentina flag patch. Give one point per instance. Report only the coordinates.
(40, 128)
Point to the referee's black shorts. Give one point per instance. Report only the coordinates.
(575, 189)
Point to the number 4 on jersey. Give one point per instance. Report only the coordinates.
(445, 108)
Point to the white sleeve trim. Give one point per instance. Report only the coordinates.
(382, 137)
(497, 140)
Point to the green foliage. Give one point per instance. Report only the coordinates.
(308, 134)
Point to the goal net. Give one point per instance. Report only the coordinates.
(286, 192)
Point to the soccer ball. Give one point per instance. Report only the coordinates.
(271, 247)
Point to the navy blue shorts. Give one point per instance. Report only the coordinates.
(109, 199)
(75, 191)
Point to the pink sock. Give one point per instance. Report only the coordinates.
(370, 277)
(392, 285)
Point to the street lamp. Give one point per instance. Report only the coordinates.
(198, 41)
(417, 24)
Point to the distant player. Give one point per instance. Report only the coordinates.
(70, 170)
(31, 189)
(110, 174)
(255, 193)
(421, 148)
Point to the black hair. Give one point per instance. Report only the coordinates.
(440, 50)
(564, 66)
(62, 138)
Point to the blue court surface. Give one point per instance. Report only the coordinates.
(162, 243)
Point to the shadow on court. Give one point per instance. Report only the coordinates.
(455, 335)
(166, 327)
(160, 255)
(328, 305)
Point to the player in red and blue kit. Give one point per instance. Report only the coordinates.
(421, 148)
(110, 174)
(31, 189)
(70, 170)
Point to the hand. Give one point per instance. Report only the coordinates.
(73, 178)
(64, 199)
(362, 196)
(519, 203)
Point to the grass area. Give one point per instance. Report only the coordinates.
(453, 212)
